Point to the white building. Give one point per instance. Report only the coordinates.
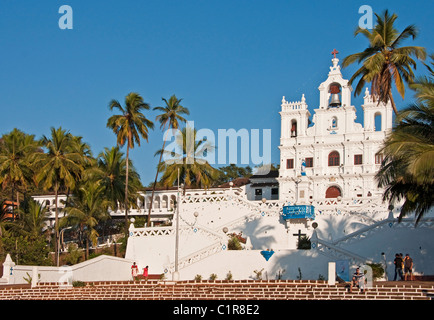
(335, 157)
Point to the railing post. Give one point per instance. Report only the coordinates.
(332, 274)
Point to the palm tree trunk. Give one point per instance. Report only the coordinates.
(148, 223)
(153, 188)
(56, 224)
(126, 192)
(87, 248)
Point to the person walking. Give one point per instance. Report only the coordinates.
(408, 267)
(398, 267)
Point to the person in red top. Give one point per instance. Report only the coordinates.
(145, 273)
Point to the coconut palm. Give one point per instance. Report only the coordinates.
(129, 126)
(85, 209)
(171, 116)
(188, 157)
(34, 220)
(385, 61)
(16, 170)
(59, 167)
(407, 172)
(111, 174)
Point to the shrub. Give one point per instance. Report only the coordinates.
(198, 277)
(234, 244)
(77, 284)
(229, 276)
(377, 270)
(304, 243)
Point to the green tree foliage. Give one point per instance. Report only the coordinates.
(385, 61)
(407, 172)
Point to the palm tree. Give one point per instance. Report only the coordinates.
(129, 126)
(85, 209)
(407, 172)
(384, 60)
(171, 116)
(59, 167)
(15, 165)
(33, 220)
(194, 170)
(110, 172)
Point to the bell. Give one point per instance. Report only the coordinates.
(334, 101)
(334, 90)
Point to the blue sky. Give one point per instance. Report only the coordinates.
(230, 61)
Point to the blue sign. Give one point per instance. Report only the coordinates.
(267, 254)
(298, 212)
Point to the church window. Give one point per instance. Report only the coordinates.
(293, 128)
(334, 159)
(334, 123)
(358, 159)
(377, 121)
(289, 163)
(378, 158)
(309, 162)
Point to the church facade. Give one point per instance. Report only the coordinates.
(331, 156)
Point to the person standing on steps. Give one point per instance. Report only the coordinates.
(134, 271)
(145, 273)
(408, 267)
(398, 267)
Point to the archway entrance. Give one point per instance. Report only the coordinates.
(333, 192)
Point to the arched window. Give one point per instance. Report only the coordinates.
(334, 159)
(377, 121)
(293, 128)
(334, 123)
(333, 192)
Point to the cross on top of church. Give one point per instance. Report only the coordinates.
(334, 52)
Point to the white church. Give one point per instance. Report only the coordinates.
(336, 157)
(324, 190)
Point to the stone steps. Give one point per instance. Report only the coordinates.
(218, 290)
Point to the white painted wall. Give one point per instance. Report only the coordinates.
(101, 268)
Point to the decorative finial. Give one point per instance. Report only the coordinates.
(366, 92)
(334, 52)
